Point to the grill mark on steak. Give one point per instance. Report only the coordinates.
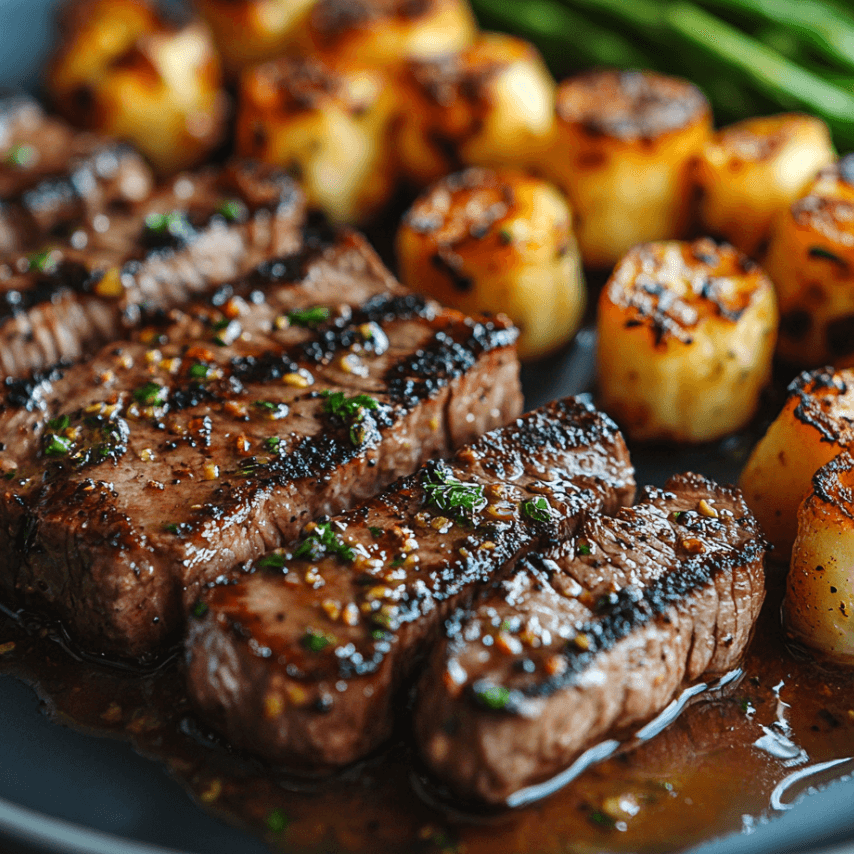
(52, 176)
(205, 229)
(592, 637)
(302, 660)
(138, 476)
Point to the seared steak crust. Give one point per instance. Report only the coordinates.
(590, 638)
(166, 461)
(53, 177)
(202, 230)
(303, 659)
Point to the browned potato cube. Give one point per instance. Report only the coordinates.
(329, 126)
(752, 171)
(486, 241)
(811, 262)
(623, 147)
(491, 104)
(686, 336)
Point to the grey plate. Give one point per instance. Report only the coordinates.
(62, 792)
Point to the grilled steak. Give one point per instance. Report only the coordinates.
(302, 660)
(202, 230)
(53, 177)
(164, 462)
(590, 638)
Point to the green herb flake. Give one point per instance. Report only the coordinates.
(323, 540)
(584, 547)
(494, 697)
(537, 509)
(677, 515)
(232, 210)
(266, 404)
(398, 561)
(277, 821)
(56, 446)
(200, 609)
(151, 394)
(22, 155)
(827, 255)
(171, 527)
(60, 423)
(315, 641)
(272, 444)
(44, 261)
(380, 634)
(198, 371)
(311, 318)
(602, 819)
(449, 494)
(351, 410)
(274, 560)
(505, 236)
(174, 223)
(376, 533)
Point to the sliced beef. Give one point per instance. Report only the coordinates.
(163, 463)
(200, 231)
(53, 177)
(303, 659)
(590, 638)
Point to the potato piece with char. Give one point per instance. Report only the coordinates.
(753, 170)
(811, 262)
(816, 424)
(493, 241)
(329, 125)
(818, 610)
(252, 31)
(686, 336)
(622, 151)
(387, 32)
(491, 104)
(140, 77)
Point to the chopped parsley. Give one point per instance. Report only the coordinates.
(321, 541)
(232, 210)
(537, 509)
(167, 229)
(20, 155)
(493, 696)
(44, 261)
(602, 819)
(449, 494)
(56, 446)
(316, 641)
(274, 560)
(272, 444)
(198, 371)
(398, 561)
(375, 532)
(583, 547)
(309, 317)
(200, 609)
(60, 423)
(277, 821)
(150, 394)
(351, 410)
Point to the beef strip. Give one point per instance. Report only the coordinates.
(53, 177)
(590, 638)
(202, 230)
(302, 661)
(166, 461)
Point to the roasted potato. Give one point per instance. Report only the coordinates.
(751, 171)
(386, 32)
(251, 31)
(126, 72)
(491, 104)
(816, 424)
(818, 610)
(686, 336)
(487, 241)
(331, 127)
(622, 151)
(811, 262)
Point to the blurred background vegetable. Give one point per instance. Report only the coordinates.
(749, 56)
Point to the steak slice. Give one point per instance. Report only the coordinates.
(163, 463)
(302, 660)
(200, 231)
(52, 176)
(590, 638)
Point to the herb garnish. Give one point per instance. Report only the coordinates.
(232, 210)
(44, 261)
(60, 423)
(493, 696)
(583, 547)
(537, 509)
(375, 532)
(272, 444)
(309, 317)
(198, 371)
(351, 410)
(316, 641)
(277, 821)
(274, 560)
(150, 394)
(56, 446)
(449, 494)
(167, 229)
(827, 255)
(200, 609)
(20, 155)
(323, 540)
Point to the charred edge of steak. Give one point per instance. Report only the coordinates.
(28, 392)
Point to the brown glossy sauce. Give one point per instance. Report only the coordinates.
(698, 779)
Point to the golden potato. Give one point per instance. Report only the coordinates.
(487, 241)
(818, 610)
(686, 336)
(751, 171)
(811, 262)
(387, 32)
(330, 127)
(251, 31)
(491, 104)
(140, 78)
(816, 424)
(622, 150)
